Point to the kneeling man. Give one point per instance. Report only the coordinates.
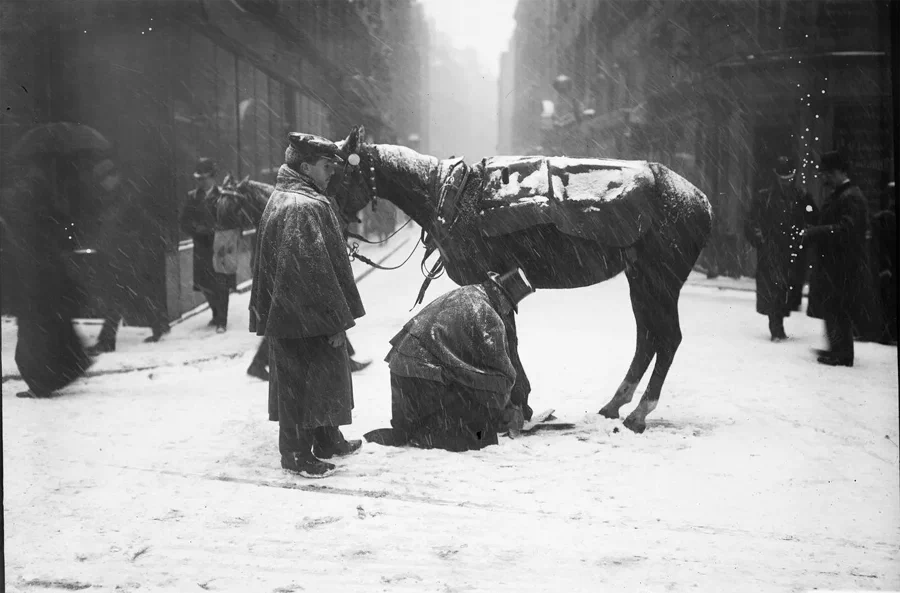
(456, 378)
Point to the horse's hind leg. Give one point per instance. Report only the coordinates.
(643, 351)
(665, 330)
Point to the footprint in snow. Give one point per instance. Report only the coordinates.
(400, 578)
(317, 522)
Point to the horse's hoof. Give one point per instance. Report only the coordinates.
(634, 425)
(611, 414)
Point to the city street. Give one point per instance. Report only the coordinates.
(760, 470)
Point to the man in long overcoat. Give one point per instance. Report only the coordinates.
(198, 219)
(303, 300)
(456, 377)
(840, 278)
(777, 217)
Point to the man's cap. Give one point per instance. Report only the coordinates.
(303, 147)
(205, 168)
(785, 167)
(832, 161)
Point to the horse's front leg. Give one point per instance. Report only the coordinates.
(667, 336)
(643, 354)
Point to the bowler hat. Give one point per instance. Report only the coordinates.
(205, 168)
(832, 161)
(303, 147)
(514, 285)
(785, 167)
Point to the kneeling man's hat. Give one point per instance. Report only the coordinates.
(514, 284)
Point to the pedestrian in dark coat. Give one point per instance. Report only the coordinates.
(198, 219)
(49, 353)
(777, 217)
(840, 274)
(456, 377)
(112, 238)
(303, 300)
(884, 238)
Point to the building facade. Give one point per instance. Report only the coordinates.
(169, 82)
(714, 89)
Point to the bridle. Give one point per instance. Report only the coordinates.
(354, 161)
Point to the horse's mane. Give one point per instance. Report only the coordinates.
(401, 158)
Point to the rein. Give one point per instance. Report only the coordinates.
(354, 254)
(364, 240)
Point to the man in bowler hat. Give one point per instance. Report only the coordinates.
(840, 269)
(303, 300)
(198, 219)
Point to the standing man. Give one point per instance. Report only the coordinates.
(777, 217)
(199, 221)
(303, 300)
(840, 269)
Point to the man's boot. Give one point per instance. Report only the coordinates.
(159, 331)
(296, 455)
(306, 465)
(776, 328)
(329, 442)
(258, 370)
(356, 366)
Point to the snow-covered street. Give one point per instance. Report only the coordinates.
(759, 471)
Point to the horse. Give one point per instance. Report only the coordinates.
(588, 221)
(250, 196)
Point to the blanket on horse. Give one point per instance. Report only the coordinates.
(609, 201)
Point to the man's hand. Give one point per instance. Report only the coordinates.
(512, 420)
(338, 339)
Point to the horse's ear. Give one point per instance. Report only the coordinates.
(352, 142)
(244, 180)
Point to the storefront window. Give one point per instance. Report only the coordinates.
(264, 164)
(246, 87)
(277, 127)
(226, 113)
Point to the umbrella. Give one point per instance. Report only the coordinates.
(60, 138)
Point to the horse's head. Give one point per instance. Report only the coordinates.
(354, 185)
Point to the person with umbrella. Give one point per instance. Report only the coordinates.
(59, 165)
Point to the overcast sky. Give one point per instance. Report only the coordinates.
(484, 25)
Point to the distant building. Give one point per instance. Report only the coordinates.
(713, 88)
(463, 102)
(506, 103)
